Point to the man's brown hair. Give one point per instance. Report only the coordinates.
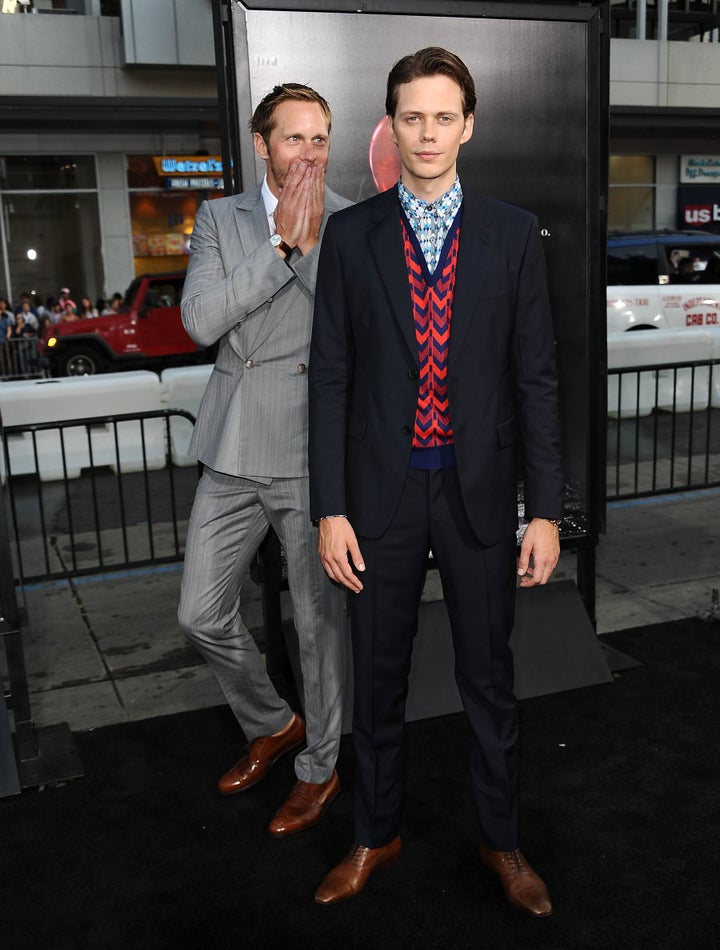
(431, 61)
(263, 120)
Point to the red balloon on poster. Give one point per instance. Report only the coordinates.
(384, 159)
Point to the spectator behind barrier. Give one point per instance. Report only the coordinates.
(69, 314)
(23, 357)
(114, 305)
(7, 320)
(86, 309)
(26, 307)
(64, 298)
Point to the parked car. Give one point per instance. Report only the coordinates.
(146, 331)
(662, 280)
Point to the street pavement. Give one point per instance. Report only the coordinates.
(107, 649)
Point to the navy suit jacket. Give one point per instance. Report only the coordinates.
(363, 370)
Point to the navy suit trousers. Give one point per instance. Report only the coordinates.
(479, 589)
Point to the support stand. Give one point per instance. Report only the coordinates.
(567, 656)
(36, 756)
(40, 756)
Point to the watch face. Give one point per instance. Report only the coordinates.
(275, 240)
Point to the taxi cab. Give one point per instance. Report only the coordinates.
(662, 280)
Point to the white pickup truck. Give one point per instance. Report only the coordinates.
(663, 280)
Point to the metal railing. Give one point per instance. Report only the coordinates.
(20, 359)
(108, 493)
(666, 19)
(663, 429)
(98, 494)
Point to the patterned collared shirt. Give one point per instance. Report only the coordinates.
(431, 221)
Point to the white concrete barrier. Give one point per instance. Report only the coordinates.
(662, 389)
(715, 354)
(139, 445)
(183, 388)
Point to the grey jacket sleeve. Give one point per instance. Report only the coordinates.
(219, 294)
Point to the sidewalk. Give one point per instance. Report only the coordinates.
(107, 649)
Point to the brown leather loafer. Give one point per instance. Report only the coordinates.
(352, 874)
(261, 756)
(523, 887)
(305, 806)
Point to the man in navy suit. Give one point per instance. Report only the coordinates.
(432, 352)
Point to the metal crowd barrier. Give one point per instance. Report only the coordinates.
(663, 429)
(127, 502)
(19, 359)
(125, 509)
(29, 756)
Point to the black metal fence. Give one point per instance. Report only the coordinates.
(663, 429)
(20, 359)
(101, 493)
(115, 492)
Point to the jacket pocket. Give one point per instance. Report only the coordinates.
(506, 432)
(356, 426)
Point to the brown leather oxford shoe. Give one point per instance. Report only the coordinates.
(305, 806)
(352, 874)
(261, 756)
(523, 887)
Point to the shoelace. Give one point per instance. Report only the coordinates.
(357, 853)
(514, 858)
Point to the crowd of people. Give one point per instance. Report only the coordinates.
(21, 326)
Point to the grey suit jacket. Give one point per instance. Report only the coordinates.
(253, 417)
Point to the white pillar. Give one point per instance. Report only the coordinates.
(114, 221)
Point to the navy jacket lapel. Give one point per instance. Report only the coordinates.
(476, 244)
(387, 250)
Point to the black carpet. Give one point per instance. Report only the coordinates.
(620, 812)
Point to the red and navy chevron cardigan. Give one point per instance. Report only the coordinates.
(432, 299)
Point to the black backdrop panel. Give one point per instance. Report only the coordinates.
(540, 142)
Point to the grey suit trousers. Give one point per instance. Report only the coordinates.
(229, 519)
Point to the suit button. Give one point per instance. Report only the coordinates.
(407, 430)
(249, 364)
(302, 368)
(413, 374)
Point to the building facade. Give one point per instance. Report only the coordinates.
(110, 134)
(664, 168)
(108, 111)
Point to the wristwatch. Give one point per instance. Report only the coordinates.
(277, 241)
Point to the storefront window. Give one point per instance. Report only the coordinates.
(165, 193)
(631, 205)
(50, 228)
(43, 172)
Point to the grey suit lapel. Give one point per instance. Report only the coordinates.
(334, 202)
(251, 220)
(252, 225)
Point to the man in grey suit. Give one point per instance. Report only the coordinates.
(250, 285)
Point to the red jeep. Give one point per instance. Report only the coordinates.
(146, 331)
